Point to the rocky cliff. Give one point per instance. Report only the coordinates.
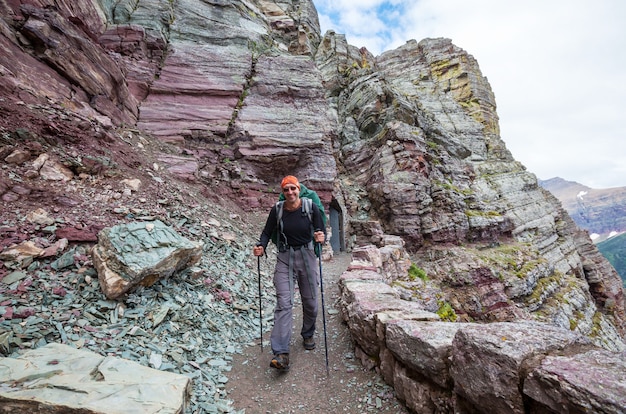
(226, 97)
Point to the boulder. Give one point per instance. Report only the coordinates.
(594, 381)
(489, 361)
(140, 253)
(424, 347)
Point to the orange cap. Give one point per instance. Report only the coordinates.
(290, 179)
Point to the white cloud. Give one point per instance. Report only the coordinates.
(556, 69)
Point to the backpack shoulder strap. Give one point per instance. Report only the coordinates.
(279, 213)
(307, 204)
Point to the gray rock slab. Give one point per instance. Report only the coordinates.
(362, 300)
(424, 347)
(489, 360)
(590, 382)
(59, 378)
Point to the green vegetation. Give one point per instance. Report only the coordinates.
(451, 187)
(573, 323)
(480, 213)
(417, 273)
(543, 285)
(596, 327)
(614, 250)
(446, 312)
(513, 258)
(261, 48)
(242, 98)
(528, 266)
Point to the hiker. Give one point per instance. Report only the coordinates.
(298, 232)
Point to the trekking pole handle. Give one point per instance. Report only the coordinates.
(260, 245)
(315, 232)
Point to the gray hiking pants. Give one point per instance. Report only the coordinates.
(294, 266)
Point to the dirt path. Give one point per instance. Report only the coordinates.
(306, 387)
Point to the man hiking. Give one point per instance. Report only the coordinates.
(299, 225)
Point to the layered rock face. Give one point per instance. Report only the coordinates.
(243, 97)
(51, 55)
(239, 93)
(419, 143)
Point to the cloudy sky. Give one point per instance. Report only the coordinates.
(557, 68)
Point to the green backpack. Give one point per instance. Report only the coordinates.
(308, 197)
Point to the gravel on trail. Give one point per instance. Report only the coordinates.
(254, 387)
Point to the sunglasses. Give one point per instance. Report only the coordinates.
(289, 189)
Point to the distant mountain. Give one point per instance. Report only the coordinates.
(602, 212)
(614, 249)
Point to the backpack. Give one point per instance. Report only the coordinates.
(308, 197)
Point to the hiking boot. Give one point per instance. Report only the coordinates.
(309, 344)
(280, 362)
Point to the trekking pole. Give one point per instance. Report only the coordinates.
(323, 307)
(258, 267)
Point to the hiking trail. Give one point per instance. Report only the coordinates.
(348, 387)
